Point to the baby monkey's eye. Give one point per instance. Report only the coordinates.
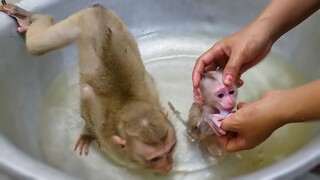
(231, 92)
(220, 95)
(156, 159)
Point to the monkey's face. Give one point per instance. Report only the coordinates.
(216, 94)
(147, 137)
(156, 157)
(225, 97)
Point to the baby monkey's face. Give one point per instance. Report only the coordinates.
(224, 97)
(216, 94)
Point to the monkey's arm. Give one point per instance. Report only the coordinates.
(196, 127)
(90, 108)
(194, 118)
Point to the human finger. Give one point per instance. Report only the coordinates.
(210, 60)
(231, 71)
(231, 144)
(241, 105)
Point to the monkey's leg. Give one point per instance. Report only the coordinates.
(42, 35)
(212, 146)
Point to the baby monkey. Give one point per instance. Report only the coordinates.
(213, 102)
(118, 98)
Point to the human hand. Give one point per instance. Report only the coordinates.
(235, 54)
(239, 52)
(254, 122)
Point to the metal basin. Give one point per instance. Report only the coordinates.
(33, 146)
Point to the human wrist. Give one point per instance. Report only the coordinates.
(267, 28)
(278, 109)
(282, 15)
(286, 99)
(303, 102)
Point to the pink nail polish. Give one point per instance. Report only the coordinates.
(229, 78)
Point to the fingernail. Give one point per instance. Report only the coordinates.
(229, 78)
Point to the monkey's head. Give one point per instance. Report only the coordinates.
(212, 91)
(148, 137)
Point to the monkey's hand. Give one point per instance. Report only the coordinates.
(22, 16)
(214, 121)
(83, 143)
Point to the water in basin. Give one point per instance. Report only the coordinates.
(169, 57)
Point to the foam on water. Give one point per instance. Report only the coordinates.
(170, 59)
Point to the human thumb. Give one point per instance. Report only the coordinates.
(228, 124)
(230, 142)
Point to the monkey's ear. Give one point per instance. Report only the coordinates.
(197, 96)
(119, 141)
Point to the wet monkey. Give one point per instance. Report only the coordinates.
(213, 102)
(118, 98)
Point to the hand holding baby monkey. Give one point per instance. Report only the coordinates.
(118, 98)
(213, 102)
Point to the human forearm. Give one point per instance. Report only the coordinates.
(282, 15)
(255, 122)
(240, 51)
(304, 103)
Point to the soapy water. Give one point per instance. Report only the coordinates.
(170, 60)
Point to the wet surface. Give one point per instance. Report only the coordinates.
(170, 59)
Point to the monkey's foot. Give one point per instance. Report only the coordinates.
(22, 16)
(83, 143)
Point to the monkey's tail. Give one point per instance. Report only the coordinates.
(177, 113)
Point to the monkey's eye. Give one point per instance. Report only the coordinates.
(220, 95)
(156, 159)
(231, 92)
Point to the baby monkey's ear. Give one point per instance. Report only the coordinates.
(197, 96)
(119, 141)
